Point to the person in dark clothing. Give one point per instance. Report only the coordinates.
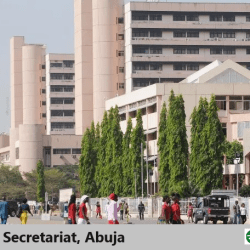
(25, 209)
(121, 210)
(48, 208)
(141, 209)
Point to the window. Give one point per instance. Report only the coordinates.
(43, 66)
(192, 34)
(68, 63)
(215, 51)
(228, 34)
(247, 35)
(123, 117)
(140, 50)
(248, 18)
(192, 18)
(216, 18)
(120, 37)
(62, 125)
(17, 153)
(139, 16)
(178, 17)
(179, 66)
(69, 76)
(155, 50)
(56, 112)
(155, 17)
(217, 34)
(69, 101)
(140, 33)
(43, 79)
(68, 89)
(56, 76)
(192, 66)
(221, 102)
(120, 53)
(224, 128)
(44, 115)
(235, 103)
(229, 51)
(228, 18)
(56, 101)
(68, 113)
(248, 51)
(43, 103)
(121, 85)
(241, 126)
(120, 20)
(156, 33)
(55, 88)
(155, 66)
(121, 69)
(179, 34)
(76, 151)
(246, 102)
(141, 66)
(55, 65)
(44, 91)
(61, 151)
(179, 51)
(193, 51)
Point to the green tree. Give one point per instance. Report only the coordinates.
(231, 148)
(164, 172)
(86, 165)
(198, 121)
(12, 185)
(101, 156)
(137, 140)
(178, 145)
(212, 148)
(128, 174)
(40, 182)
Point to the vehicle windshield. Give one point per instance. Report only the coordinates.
(218, 202)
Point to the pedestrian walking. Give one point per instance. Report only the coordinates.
(106, 209)
(24, 210)
(121, 210)
(141, 210)
(165, 211)
(113, 209)
(236, 209)
(72, 210)
(98, 209)
(4, 211)
(176, 209)
(243, 213)
(190, 212)
(83, 218)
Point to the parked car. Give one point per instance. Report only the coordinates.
(13, 207)
(213, 208)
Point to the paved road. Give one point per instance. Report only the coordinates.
(58, 220)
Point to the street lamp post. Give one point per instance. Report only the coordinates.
(147, 167)
(135, 183)
(142, 170)
(237, 162)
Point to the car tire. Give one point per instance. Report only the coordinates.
(214, 221)
(205, 219)
(195, 220)
(13, 213)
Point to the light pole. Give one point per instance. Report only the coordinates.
(142, 170)
(237, 162)
(154, 168)
(147, 167)
(135, 183)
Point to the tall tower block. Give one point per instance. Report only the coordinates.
(83, 65)
(107, 52)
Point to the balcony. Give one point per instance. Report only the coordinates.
(62, 106)
(62, 94)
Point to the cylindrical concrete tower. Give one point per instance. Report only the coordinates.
(32, 130)
(106, 54)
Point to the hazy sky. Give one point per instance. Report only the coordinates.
(50, 22)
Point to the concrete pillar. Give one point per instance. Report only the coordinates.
(150, 208)
(230, 181)
(247, 179)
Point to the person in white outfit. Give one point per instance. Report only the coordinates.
(243, 213)
(106, 209)
(113, 209)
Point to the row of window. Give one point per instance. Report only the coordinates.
(213, 51)
(62, 113)
(183, 33)
(158, 67)
(62, 125)
(62, 76)
(62, 100)
(64, 64)
(235, 102)
(144, 82)
(59, 88)
(65, 151)
(140, 16)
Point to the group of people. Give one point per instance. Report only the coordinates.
(22, 212)
(171, 213)
(240, 213)
(112, 209)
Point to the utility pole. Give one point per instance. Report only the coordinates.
(154, 168)
(142, 170)
(147, 167)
